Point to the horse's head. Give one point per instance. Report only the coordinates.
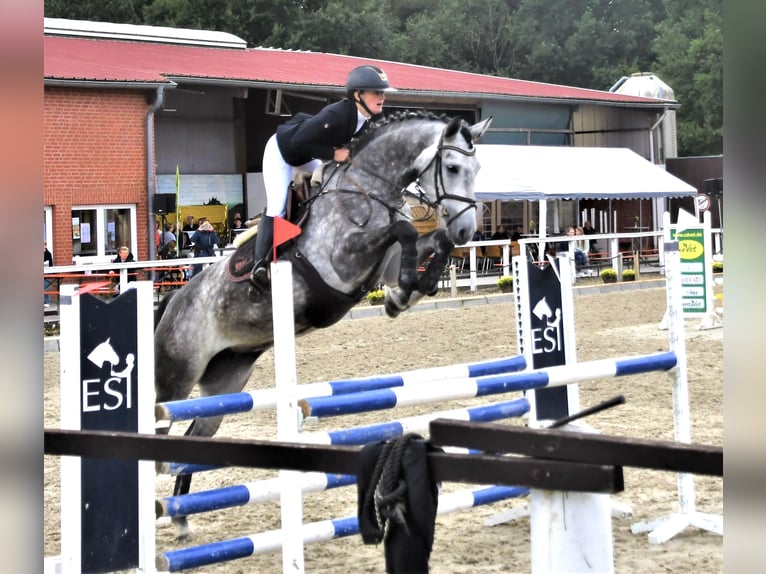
(445, 172)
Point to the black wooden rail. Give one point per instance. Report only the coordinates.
(550, 444)
(448, 467)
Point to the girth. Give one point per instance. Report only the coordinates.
(326, 305)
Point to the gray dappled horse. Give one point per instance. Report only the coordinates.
(358, 234)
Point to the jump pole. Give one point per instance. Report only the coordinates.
(263, 490)
(262, 399)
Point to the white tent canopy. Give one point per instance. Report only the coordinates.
(513, 172)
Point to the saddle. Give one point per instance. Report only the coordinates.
(297, 209)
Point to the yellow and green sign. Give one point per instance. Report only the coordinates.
(691, 247)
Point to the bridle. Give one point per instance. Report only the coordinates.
(418, 193)
(441, 190)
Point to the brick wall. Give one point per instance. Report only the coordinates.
(94, 153)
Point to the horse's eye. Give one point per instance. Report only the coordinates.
(453, 169)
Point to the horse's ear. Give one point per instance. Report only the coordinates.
(477, 130)
(452, 127)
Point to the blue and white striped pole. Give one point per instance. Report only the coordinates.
(482, 386)
(267, 398)
(260, 491)
(217, 552)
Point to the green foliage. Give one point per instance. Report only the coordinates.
(505, 282)
(628, 275)
(608, 275)
(717, 266)
(376, 297)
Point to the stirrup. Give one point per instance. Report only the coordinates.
(259, 279)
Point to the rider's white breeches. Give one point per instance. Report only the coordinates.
(277, 174)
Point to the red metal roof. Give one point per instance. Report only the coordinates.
(86, 60)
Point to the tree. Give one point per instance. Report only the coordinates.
(689, 51)
(121, 11)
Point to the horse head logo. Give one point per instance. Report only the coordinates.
(103, 353)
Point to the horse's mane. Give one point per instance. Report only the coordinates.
(397, 118)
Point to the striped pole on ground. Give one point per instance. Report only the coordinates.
(216, 552)
(267, 398)
(482, 386)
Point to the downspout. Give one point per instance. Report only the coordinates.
(150, 180)
(657, 210)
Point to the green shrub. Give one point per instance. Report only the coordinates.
(717, 266)
(376, 297)
(609, 275)
(628, 275)
(505, 283)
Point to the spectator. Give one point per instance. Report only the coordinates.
(189, 227)
(500, 233)
(516, 235)
(47, 262)
(123, 256)
(479, 236)
(168, 235)
(168, 251)
(236, 227)
(157, 236)
(588, 229)
(205, 240)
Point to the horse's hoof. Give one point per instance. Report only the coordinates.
(183, 530)
(391, 309)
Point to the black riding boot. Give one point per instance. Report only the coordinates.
(264, 242)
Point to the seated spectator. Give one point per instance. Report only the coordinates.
(516, 235)
(500, 233)
(478, 236)
(123, 256)
(237, 227)
(168, 251)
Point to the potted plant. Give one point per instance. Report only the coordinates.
(505, 283)
(376, 297)
(628, 275)
(717, 266)
(609, 275)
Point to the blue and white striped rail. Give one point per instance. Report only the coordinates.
(482, 386)
(384, 431)
(263, 490)
(217, 552)
(267, 398)
(243, 494)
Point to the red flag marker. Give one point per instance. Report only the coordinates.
(283, 231)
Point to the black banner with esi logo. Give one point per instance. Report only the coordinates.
(547, 337)
(109, 401)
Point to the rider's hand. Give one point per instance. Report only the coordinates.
(341, 154)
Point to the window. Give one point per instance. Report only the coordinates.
(98, 231)
(48, 226)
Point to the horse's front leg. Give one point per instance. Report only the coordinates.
(407, 237)
(435, 244)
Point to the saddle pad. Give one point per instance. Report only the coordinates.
(242, 261)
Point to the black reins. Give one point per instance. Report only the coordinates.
(418, 194)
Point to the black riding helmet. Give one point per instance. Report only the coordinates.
(370, 78)
(367, 78)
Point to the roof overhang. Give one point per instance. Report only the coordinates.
(513, 172)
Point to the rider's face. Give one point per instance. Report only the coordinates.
(374, 100)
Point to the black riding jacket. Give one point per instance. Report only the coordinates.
(306, 137)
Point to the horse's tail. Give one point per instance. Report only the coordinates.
(162, 306)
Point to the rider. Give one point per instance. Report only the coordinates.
(305, 141)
